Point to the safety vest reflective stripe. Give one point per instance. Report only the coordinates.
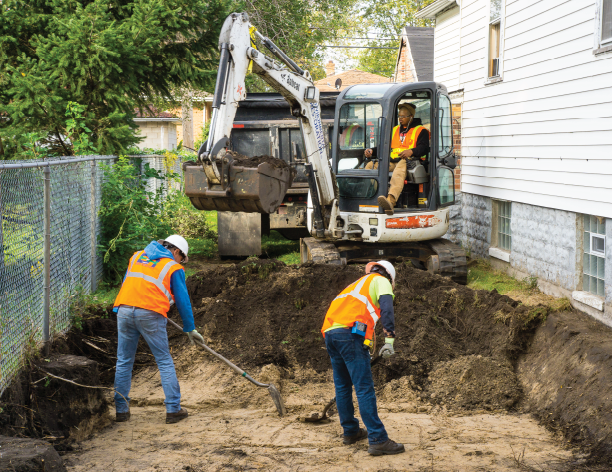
(158, 282)
(363, 299)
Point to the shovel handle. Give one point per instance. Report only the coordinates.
(237, 369)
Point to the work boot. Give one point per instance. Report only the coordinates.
(176, 417)
(122, 417)
(386, 205)
(362, 434)
(387, 448)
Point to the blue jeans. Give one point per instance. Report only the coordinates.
(350, 361)
(131, 323)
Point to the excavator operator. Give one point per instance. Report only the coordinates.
(410, 141)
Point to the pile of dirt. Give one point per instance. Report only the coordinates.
(470, 382)
(241, 160)
(263, 312)
(43, 403)
(566, 374)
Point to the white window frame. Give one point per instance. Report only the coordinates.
(502, 17)
(599, 46)
(593, 251)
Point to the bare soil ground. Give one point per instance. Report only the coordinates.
(234, 426)
(469, 365)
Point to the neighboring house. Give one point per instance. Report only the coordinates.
(157, 128)
(535, 83)
(414, 61)
(349, 77)
(193, 119)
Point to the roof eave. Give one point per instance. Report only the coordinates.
(434, 9)
(157, 119)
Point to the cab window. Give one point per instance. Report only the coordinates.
(357, 131)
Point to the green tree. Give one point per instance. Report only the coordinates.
(300, 28)
(106, 56)
(386, 18)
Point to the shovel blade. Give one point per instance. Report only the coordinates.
(277, 399)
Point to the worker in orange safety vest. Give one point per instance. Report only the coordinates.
(410, 140)
(154, 281)
(348, 330)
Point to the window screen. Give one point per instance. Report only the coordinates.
(494, 37)
(606, 21)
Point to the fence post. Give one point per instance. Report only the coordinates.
(94, 218)
(47, 261)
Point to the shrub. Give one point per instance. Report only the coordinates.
(184, 219)
(130, 216)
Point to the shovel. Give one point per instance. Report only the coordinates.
(274, 393)
(315, 417)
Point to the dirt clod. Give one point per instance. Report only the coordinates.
(470, 382)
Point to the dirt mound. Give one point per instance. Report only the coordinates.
(474, 382)
(567, 377)
(244, 161)
(38, 404)
(263, 312)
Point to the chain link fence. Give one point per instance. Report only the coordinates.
(49, 230)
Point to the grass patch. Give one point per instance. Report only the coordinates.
(277, 247)
(481, 276)
(105, 295)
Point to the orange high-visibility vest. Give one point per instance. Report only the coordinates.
(410, 139)
(147, 283)
(354, 304)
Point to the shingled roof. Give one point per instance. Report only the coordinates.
(416, 55)
(349, 77)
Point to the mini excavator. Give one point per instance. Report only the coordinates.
(343, 217)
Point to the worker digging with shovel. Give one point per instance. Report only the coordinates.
(155, 279)
(348, 330)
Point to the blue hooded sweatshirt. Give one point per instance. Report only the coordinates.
(178, 287)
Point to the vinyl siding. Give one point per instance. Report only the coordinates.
(446, 49)
(543, 135)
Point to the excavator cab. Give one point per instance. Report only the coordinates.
(366, 117)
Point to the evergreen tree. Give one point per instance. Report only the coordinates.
(107, 56)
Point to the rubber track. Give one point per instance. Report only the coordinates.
(453, 262)
(322, 252)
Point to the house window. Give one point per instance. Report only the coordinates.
(593, 263)
(494, 37)
(606, 23)
(504, 233)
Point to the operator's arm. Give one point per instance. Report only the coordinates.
(181, 298)
(422, 145)
(387, 316)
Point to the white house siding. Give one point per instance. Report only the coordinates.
(446, 49)
(543, 135)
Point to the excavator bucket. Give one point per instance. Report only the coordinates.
(259, 189)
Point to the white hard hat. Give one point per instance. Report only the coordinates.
(385, 265)
(178, 241)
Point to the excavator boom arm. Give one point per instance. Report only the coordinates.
(293, 83)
